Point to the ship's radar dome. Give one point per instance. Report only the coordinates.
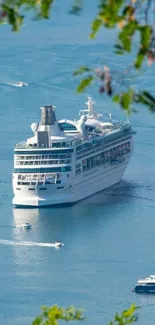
(34, 127)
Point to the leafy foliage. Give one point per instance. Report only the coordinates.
(85, 83)
(131, 18)
(10, 10)
(126, 317)
(81, 70)
(51, 315)
(124, 99)
(96, 24)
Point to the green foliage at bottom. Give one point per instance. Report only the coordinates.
(51, 316)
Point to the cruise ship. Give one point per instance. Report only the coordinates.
(68, 160)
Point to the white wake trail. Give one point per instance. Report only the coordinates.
(26, 243)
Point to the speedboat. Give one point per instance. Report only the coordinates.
(21, 84)
(58, 244)
(146, 285)
(24, 225)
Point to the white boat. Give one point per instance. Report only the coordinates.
(68, 160)
(20, 84)
(58, 244)
(24, 225)
(146, 285)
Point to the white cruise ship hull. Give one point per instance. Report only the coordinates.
(67, 161)
(79, 188)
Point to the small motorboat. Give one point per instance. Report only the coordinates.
(58, 244)
(24, 225)
(146, 285)
(21, 84)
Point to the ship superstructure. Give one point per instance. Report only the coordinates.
(68, 160)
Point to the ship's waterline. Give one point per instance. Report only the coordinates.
(66, 161)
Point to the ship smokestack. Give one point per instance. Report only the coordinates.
(48, 126)
(48, 115)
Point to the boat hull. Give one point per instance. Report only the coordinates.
(145, 289)
(81, 187)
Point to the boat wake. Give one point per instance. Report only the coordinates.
(18, 84)
(27, 243)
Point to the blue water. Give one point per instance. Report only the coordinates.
(109, 238)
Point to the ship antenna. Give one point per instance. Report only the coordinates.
(89, 104)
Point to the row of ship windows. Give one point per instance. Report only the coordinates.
(67, 126)
(43, 152)
(43, 170)
(119, 136)
(53, 145)
(87, 146)
(88, 152)
(46, 182)
(41, 157)
(83, 152)
(117, 141)
(109, 140)
(62, 144)
(43, 162)
(110, 156)
(41, 189)
(39, 177)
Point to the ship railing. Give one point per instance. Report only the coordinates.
(24, 145)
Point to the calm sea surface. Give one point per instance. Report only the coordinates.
(109, 238)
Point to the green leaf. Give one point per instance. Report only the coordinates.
(145, 32)
(129, 312)
(148, 99)
(45, 8)
(109, 12)
(96, 24)
(81, 70)
(126, 34)
(117, 318)
(139, 59)
(116, 98)
(128, 10)
(111, 323)
(118, 49)
(126, 100)
(37, 321)
(84, 83)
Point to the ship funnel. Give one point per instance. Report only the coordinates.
(48, 115)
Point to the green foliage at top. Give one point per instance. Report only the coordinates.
(134, 21)
(131, 20)
(10, 11)
(52, 316)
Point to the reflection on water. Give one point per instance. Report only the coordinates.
(29, 245)
(68, 224)
(25, 215)
(51, 221)
(146, 301)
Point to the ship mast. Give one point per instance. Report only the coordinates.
(90, 104)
